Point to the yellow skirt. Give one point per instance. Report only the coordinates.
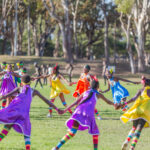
(139, 110)
(57, 88)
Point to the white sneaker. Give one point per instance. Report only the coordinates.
(99, 118)
(124, 146)
(54, 148)
(49, 115)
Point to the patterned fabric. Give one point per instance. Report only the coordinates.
(96, 112)
(4, 133)
(27, 142)
(130, 135)
(140, 109)
(135, 139)
(95, 142)
(67, 137)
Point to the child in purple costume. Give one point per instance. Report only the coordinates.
(83, 117)
(16, 115)
(8, 84)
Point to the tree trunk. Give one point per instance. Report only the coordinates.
(115, 43)
(57, 43)
(37, 51)
(28, 24)
(4, 45)
(16, 29)
(106, 39)
(140, 50)
(126, 30)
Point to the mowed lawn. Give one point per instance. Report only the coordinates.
(47, 132)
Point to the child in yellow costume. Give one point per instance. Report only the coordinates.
(139, 113)
(57, 88)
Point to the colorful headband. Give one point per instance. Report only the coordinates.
(18, 64)
(111, 70)
(3, 64)
(24, 71)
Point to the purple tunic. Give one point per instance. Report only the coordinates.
(84, 115)
(7, 84)
(17, 113)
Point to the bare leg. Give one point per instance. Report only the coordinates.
(64, 102)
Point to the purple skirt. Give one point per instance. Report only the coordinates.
(17, 114)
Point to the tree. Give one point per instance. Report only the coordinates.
(138, 9)
(65, 25)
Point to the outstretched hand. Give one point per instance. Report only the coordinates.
(60, 112)
(137, 82)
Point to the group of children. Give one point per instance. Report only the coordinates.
(15, 114)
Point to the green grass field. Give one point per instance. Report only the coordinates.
(47, 132)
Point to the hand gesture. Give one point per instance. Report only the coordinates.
(60, 112)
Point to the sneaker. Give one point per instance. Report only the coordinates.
(124, 146)
(54, 148)
(99, 118)
(49, 115)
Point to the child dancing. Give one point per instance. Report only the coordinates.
(119, 93)
(16, 115)
(83, 118)
(139, 114)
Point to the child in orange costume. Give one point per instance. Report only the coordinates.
(83, 85)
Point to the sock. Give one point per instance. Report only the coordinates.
(130, 135)
(96, 112)
(135, 139)
(67, 137)
(4, 133)
(125, 106)
(27, 142)
(50, 108)
(3, 103)
(65, 104)
(95, 142)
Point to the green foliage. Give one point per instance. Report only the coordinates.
(124, 6)
(49, 48)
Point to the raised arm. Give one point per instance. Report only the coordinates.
(10, 93)
(16, 75)
(105, 99)
(62, 77)
(37, 93)
(135, 97)
(105, 90)
(125, 80)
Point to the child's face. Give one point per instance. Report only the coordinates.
(143, 81)
(85, 70)
(9, 68)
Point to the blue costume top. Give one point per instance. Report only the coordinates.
(118, 91)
